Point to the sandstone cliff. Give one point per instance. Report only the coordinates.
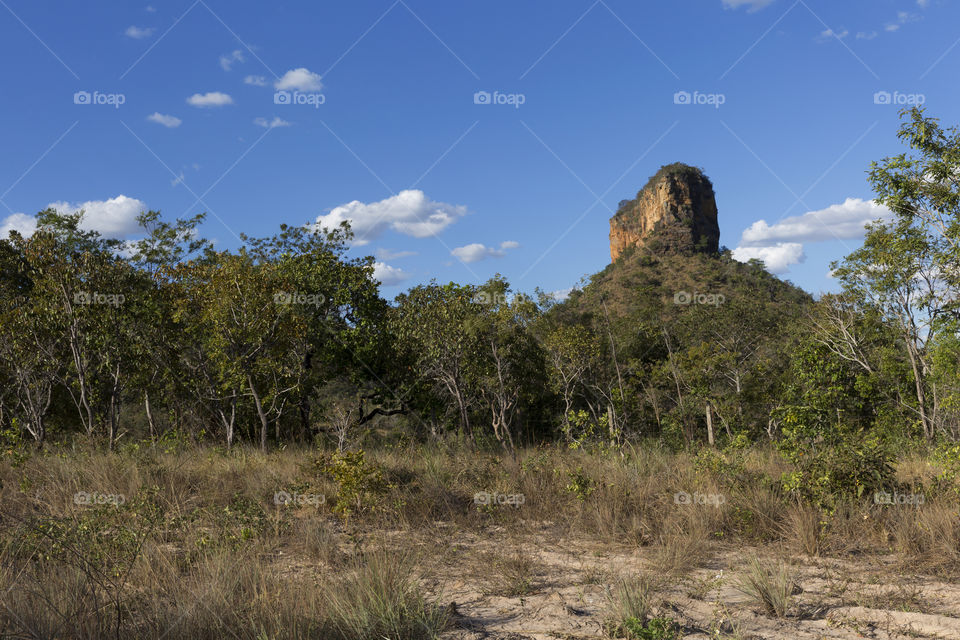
(676, 212)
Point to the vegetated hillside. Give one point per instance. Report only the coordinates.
(687, 341)
(642, 281)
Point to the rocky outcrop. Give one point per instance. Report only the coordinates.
(676, 212)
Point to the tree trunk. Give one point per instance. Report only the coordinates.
(921, 395)
(260, 413)
(146, 407)
(710, 424)
(228, 424)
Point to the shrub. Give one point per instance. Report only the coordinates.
(360, 485)
(947, 457)
(855, 466)
(630, 608)
(12, 445)
(653, 629)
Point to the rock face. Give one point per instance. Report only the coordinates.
(676, 212)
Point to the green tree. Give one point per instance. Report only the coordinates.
(509, 367)
(429, 322)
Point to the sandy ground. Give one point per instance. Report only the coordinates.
(538, 587)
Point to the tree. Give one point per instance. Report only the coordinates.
(509, 368)
(896, 272)
(429, 322)
(161, 343)
(572, 351)
(918, 255)
(85, 294)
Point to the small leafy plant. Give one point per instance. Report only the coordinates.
(360, 485)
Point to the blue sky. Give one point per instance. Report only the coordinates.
(465, 139)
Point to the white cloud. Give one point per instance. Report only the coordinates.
(777, 258)
(476, 252)
(150, 9)
(409, 212)
(830, 33)
(864, 35)
(115, 218)
(21, 222)
(301, 79)
(904, 17)
(752, 5)
(390, 254)
(171, 122)
(270, 124)
(137, 33)
(211, 99)
(387, 275)
(226, 62)
(257, 81)
(780, 244)
(561, 294)
(845, 220)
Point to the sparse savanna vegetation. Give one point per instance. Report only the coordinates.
(202, 443)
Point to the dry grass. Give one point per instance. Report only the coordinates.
(510, 574)
(770, 584)
(804, 529)
(629, 598)
(199, 539)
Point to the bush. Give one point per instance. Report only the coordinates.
(360, 485)
(829, 475)
(12, 445)
(947, 457)
(630, 608)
